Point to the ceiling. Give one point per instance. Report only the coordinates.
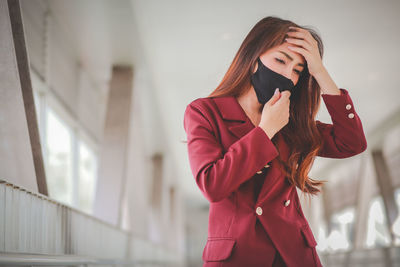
(183, 48)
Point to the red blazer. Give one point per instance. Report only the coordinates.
(255, 214)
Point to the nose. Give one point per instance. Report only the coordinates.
(288, 74)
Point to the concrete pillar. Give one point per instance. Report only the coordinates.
(365, 182)
(21, 159)
(327, 209)
(157, 208)
(113, 152)
(157, 182)
(386, 189)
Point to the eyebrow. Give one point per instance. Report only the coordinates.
(289, 57)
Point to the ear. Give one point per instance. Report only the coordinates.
(255, 67)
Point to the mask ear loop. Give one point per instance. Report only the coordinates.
(258, 66)
(258, 63)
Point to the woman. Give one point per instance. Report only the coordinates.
(250, 146)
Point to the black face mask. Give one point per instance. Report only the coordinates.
(265, 81)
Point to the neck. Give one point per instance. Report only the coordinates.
(250, 104)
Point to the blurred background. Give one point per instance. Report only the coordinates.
(93, 167)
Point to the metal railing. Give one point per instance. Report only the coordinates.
(373, 257)
(22, 259)
(36, 230)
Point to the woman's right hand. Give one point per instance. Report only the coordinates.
(275, 113)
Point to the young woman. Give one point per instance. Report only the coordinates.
(251, 145)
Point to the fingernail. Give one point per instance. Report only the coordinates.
(276, 90)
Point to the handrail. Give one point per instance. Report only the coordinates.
(36, 259)
(385, 256)
(34, 229)
(25, 259)
(49, 199)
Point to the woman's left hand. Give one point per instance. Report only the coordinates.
(306, 46)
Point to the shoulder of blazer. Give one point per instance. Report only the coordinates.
(207, 106)
(226, 106)
(203, 103)
(203, 106)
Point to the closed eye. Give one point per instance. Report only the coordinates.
(283, 62)
(280, 60)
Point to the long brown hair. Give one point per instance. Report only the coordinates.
(301, 133)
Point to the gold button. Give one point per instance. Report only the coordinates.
(287, 202)
(259, 172)
(351, 115)
(348, 106)
(259, 210)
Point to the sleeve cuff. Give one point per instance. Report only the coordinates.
(339, 104)
(268, 149)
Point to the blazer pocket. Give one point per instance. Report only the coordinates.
(218, 248)
(308, 235)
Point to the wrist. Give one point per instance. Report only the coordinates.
(321, 73)
(270, 133)
(326, 83)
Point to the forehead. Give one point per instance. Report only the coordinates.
(283, 47)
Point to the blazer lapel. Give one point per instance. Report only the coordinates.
(231, 110)
(240, 125)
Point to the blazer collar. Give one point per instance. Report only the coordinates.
(231, 110)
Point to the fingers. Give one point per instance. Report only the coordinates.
(281, 97)
(299, 42)
(284, 100)
(302, 34)
(286, 94)
(300, 50)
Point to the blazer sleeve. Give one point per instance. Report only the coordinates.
(218, 174)
(345, 137)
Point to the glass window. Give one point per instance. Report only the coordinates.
(396, 225)
(70, 163)
(87, 177)
(322, 243)
(341, 236)
(377, 232)
(59, 158)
